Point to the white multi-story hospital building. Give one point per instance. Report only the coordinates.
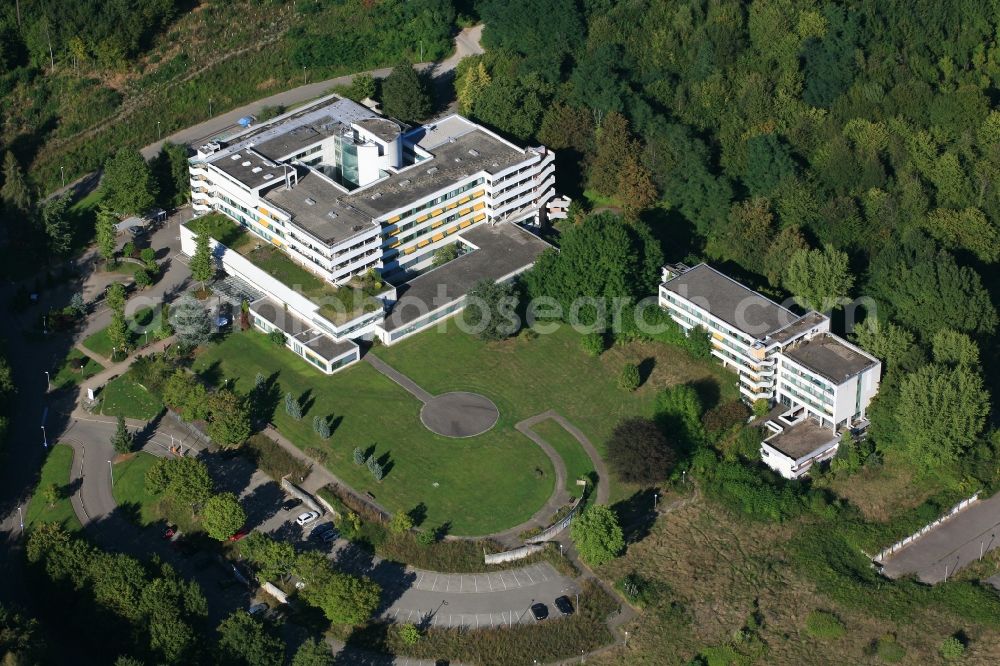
(345, 192)
(821, 383)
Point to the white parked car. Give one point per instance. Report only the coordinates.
(306, 518)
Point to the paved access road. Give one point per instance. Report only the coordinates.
(955, 543)
(466, 43)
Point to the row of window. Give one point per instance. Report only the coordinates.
(428, 320)
(434, 202)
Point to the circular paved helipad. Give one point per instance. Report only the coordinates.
(459, 414)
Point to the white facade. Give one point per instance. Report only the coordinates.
(780, 357)
(329, 185)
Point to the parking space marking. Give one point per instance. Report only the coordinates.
(529, 576)
(434, 585)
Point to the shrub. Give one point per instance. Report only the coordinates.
(426, 537)
(952, 648)
(629, 379)
(638, 590)
(889, 650)
(143, 279)
(761, 407)
(273, 460)
(148, 255)
(359, 456)
(592, 343)
(409, 634)
(400, 523)
(597, 535)
(128, 249)
(725, 416)
(822, 624)
(639, 453)
(277, 337)
(292, 407)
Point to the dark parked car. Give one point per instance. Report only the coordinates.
(321, 531)
(540, 611)
(291, 504)
(564, 605)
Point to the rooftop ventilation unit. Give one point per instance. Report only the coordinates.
(405, 182)
(357, 227)
(235, 156)
(473, 152)
(268, 176)
(496, 164)
(432, 171)
(451, 139)
(376, 195)
(256, 169)
(332, 215)
(310, 201)
(246, 163)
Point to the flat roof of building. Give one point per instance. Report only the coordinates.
(383, 128)
(799, 440)
(454, 160)
(806, 323)
(830, 357)
(734, 303)
(315, 205)
(503, 249)
(303, 331)
(249, 167)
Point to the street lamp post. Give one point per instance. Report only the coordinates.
(47, 379)
(20, 518)
(210, 106)
(62, 172)
(112, 470)
(626, 639)
(45, 439)
(159, 135)
(654, 501)
(303, 74)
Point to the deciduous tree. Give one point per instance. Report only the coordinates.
(638, 452)
(490, 310)
(128, 184)
(15, 192)
(597, 535)
(223, 516)
(343, 598)
(229, 422)
(245, 640)
(941, 412)
(819, 279)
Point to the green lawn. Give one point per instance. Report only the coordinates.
(55, 470)
(222, 229)
(577, 461)
(481, 484)
(525, 376)
(129, 488)
(69, 374)
(100, 343)
(126, 397)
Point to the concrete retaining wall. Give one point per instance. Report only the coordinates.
(271, 589)
(511, 555)
(306, 498)
(925, 529)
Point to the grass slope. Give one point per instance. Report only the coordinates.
(525, 376)
(129, 489)
(578, 464)
(483, 484)
(126, 397)
(55, 470)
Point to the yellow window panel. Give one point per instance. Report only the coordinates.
(717, 336)
(424, 217)
(435, 225)
(409, 250)
(465, 224)
(264, 223)
(452, 230)
(396, 244)
(276, 242)
(450, 206)
(478, 194)
(464, 200)
(437, 212)
(477, 218)
(263, 210)
(437, 237)
(479, 206)
(423, 243)
(465, 211)
(394, 219)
